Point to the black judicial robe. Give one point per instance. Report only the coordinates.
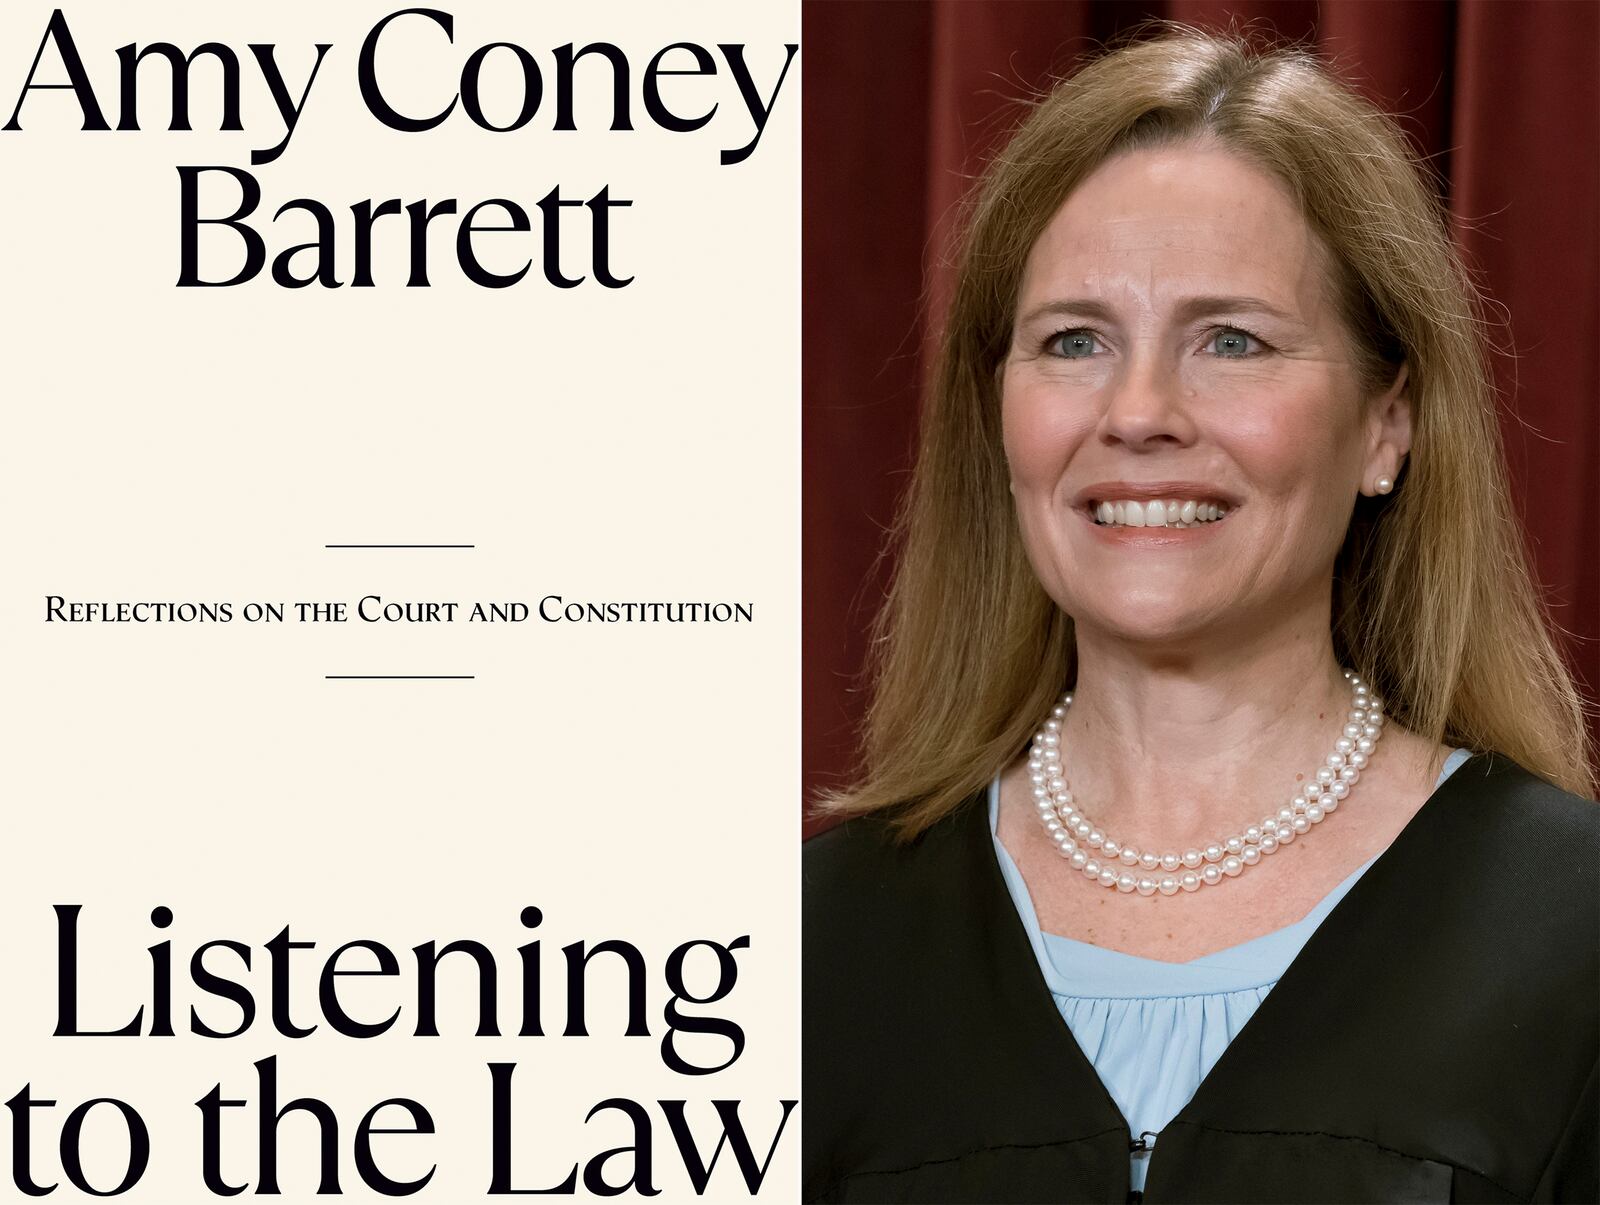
(1435, 1040)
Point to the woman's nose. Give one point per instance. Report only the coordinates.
(1146, 405)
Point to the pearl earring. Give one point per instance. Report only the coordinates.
(1382, 485)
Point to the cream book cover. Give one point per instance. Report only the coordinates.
(400, 471)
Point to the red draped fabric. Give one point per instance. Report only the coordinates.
(902, 103)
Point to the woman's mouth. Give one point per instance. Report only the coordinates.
(1157, 512)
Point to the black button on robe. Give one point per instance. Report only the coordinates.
(1435, 1040)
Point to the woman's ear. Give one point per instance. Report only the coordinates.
(1388, 433)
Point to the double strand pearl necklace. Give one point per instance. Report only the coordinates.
(1113, 864)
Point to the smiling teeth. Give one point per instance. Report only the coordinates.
(1159, 512)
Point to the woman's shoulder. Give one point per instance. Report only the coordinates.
(1494, 830)
(1517, 804)
(866, 889)
(866, 856)
(847, 841)
(1497, 881)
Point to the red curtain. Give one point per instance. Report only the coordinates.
(904, 100)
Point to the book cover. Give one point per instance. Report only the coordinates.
(401, 478)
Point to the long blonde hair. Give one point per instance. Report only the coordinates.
(1432, 597)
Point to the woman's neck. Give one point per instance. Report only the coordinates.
(1169, 747)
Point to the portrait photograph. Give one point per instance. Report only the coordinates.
(1201, 608)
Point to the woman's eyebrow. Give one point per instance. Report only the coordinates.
(1197, 307)
(1186, 310)
(1070, 307)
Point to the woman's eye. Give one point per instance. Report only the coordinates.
(1232, 343)
(1073, 345)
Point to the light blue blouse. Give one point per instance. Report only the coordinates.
(1154, 1029)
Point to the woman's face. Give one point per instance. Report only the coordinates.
(1177, 347)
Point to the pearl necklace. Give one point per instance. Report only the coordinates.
(1103, 859)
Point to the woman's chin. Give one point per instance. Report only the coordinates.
(1156, 620)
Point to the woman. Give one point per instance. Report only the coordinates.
(1212, 649)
